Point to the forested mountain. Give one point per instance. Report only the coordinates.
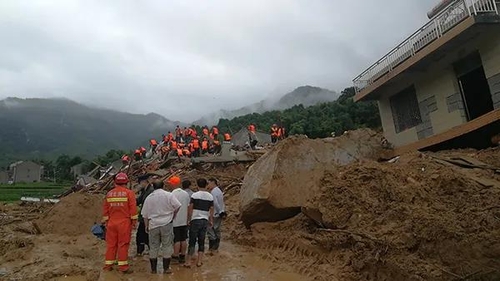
(305, 95)
(47, 128)
(314, 121)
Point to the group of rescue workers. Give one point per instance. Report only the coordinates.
(188, 143)
(167, 215)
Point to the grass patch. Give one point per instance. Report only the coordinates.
(41, 190)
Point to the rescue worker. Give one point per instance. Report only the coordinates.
(205, 131)
(178, 133)
(204, 146)
(170, 136)
(194, 134)
(215, 132)
(217, 146)
(196, 147)
(281, 133)
(164, 152)
(137, 155)
(125, 159)
(186, 152)
(227, 137)
(143, 152)
(120, 217)
(252, 136)
(179, 153)
(153, 143)
(187, 134)
(274, 133)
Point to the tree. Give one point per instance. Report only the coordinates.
(316, 121)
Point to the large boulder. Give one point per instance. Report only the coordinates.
(284, 179)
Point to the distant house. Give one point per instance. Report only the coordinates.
(241, 137)
(77, 170)
(4, 177)
(25, 171)
(441, 86)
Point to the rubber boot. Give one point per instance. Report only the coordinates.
(154, 265)
(166, 266)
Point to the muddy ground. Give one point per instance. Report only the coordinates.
(416, 219)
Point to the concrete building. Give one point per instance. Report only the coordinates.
(25, 171)
(77, 170)
(442, 84)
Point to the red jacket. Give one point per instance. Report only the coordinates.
(120, 205)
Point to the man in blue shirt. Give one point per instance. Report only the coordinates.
(214, 232)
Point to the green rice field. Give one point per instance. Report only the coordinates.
(14, 192)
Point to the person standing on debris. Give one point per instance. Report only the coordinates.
(281, 133)
(125, 159)
(141, 238)
(196, 147)
(153, 144)
(178, 133)
(159, 211)
(274, 133)
(180, 221)
(252, 136)
(200, 217)
(143, 151)
(120, 217)
(137, 155)
(214, 232)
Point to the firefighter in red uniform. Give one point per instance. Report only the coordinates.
(120, 217)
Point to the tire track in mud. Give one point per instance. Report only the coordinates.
(294, 252)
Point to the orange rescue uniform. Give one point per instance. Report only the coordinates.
(120, 215)
(227, 137)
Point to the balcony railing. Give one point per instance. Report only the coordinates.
(449, 17)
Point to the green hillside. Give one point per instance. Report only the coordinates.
(314, 121)
(47, 128)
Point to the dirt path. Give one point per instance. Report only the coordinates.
(232, 263)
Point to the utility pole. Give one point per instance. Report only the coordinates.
(54, 174)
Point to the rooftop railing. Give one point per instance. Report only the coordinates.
(443, 22)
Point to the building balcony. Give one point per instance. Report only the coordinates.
(443, 27)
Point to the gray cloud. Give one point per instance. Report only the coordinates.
(185, 58)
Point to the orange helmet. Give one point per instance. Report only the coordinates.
(121, 178)
(174, 180)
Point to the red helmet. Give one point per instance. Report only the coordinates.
(121, 178)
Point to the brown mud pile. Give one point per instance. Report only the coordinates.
(74, 215)
(417, 219)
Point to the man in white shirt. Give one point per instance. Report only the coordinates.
(200, 217)
(159, 211)
(214, 232)
(180, 221)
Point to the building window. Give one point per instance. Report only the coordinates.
(405, 110)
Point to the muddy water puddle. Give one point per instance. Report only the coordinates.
(230, 264)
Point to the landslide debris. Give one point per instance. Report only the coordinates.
(416, 218)
(73, 215)
(279, 183)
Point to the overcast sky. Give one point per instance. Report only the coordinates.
(182, 58)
